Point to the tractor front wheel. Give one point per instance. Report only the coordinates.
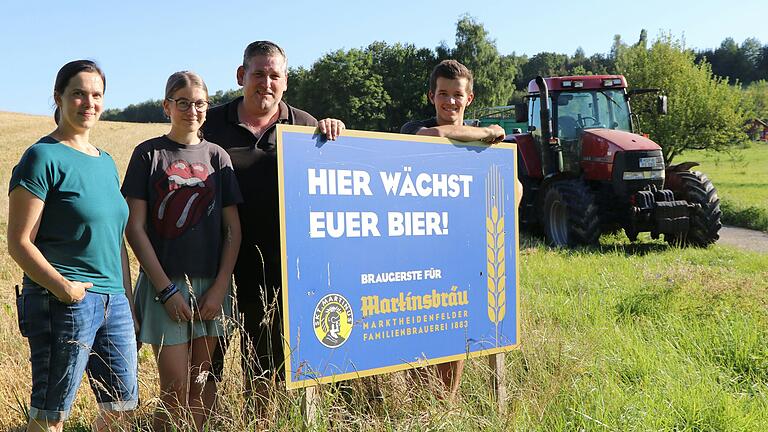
(705, 224)
(569, 214)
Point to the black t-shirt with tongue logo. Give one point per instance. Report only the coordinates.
(185, 187)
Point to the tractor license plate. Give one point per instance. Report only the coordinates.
(651, 162)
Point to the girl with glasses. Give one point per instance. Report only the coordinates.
(185, 231)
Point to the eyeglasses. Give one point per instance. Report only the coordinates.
(184, 104)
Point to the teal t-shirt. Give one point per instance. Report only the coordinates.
(81, 228)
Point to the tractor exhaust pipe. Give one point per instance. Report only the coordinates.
(552, 156)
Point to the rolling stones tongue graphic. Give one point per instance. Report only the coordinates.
(183, 197)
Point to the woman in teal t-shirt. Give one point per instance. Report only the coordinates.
(66, 218)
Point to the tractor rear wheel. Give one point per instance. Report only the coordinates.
(705, 223)
(569, 215)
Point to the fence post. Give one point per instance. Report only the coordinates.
(498, 381)
(311, 404)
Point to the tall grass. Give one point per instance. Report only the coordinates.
(621, 337)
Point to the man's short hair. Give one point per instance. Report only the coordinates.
(450, 69)
(263, 48)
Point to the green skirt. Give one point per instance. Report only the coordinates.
(157, 328)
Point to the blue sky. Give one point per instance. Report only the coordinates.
(140, 43)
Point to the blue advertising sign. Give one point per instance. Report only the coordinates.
(398, 251)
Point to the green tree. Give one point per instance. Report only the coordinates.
(150, 111)
(704, 111)
(600, 64)
(385, 84)
(546, 64)
(739, 63)
(579, 57)
(618, 47)
(296, 81)
(642, 41)
(405, 73)
(756, 99)
(344, 84)
(762, 64)
(494, 74)
(222, 97)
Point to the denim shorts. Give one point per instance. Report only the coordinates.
(95, 335)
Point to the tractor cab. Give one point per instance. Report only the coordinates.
(578, 104)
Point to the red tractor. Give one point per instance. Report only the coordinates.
(586, 170)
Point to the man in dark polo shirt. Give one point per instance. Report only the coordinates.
(245, 128)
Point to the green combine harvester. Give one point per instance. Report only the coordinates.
(503, 116)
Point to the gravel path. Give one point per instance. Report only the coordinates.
(751, 240)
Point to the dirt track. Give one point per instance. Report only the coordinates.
(756, 241)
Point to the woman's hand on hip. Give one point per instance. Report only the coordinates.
(74, 291)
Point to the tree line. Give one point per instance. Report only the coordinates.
(745, 63)
(712, 93)
(151, 111)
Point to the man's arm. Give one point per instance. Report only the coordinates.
(491, 134)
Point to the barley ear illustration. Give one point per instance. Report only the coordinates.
(496, 258)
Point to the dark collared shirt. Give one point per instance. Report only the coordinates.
(255, 162)
(414, 126)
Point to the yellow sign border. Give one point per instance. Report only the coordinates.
(292, 384)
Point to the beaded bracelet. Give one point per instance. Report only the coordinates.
(166, 293)
(170, 293)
